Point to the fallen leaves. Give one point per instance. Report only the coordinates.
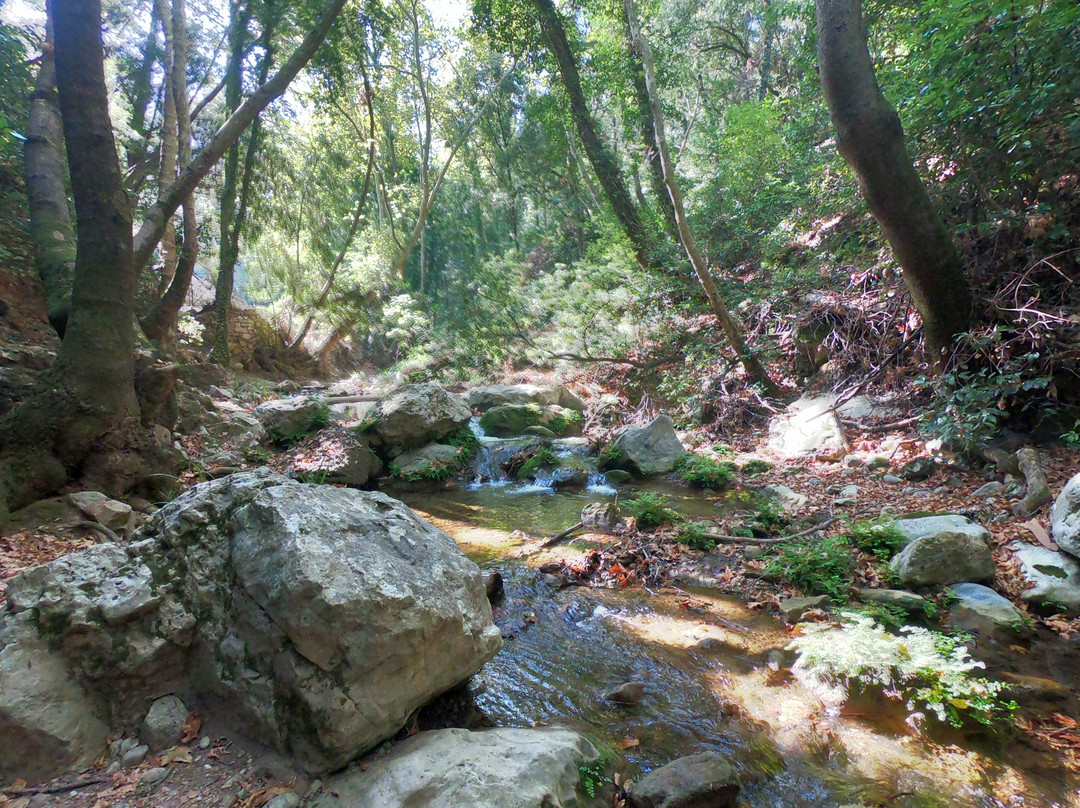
(189, 730)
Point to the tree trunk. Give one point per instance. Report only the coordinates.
(167, 165)
(160, 325)
(871, 140)
(600, 156)
(731, 331)
(50, 219)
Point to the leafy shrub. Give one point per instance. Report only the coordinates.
(651, 510)
(882, 539)
(815, 566)
(932, 670)
(704, 472)
(696, 535)
(753, 467)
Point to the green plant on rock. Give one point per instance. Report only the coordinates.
(931, 670)
(704, 472)
(593, 776)
(651, 510)
(815, 566)
(887, 614)
(609, 457)
(754, 467)
(696, 535)
(880, 538)
(531, 459)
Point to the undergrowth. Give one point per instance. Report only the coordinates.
(879, 538)
(651, 510)
(704, 472)
(815, 566)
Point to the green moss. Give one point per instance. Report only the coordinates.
(543, 458)
(880, 538)
(696, 535)
(753, 467)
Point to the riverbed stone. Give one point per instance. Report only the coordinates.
(510, 420)
(417, 414)
(908, 601)
(1055, 577)
(944, 526)
(289, 419)
(1065, 518)
(288, 609)
(164, 723)
(627, 693)
(809, 427)
(100, 508)
(794, 609)
(496, 395)
(645, 450)
(990, 489)
(981, 610)
(706, 780)
(602, 515)
(617, 477)
(944, 558)
(427, 462)
(335, 456)
(454, 768)
(788, 500)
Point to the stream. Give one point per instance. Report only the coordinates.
(715, 672)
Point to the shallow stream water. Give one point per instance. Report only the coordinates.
(565, 648)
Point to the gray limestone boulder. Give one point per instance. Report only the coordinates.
(164, 723)
(510, 420)
(289, 419)
(416, 414)
(1065, 518)
(809, 427)
(426, 462)
(942, 558)
(102, 509)
(794, 609)
(601, 515)
(484, 398)
(981, 610)
(455, 768)
(335, 456)
(944, 526)
(645, 450)
(706, 780)
(316, 618)
(48, 723)
(1055, 578)
(787, 499)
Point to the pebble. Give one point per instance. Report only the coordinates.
(627, 693)
(154, 775)
(134, 756)
(850, 491)
(204, 742)
(287, 800)
(892, 478)
(990, 489)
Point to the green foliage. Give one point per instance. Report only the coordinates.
(931, 670)
(704, 472)
(651, 510)
(467, 446)
(1072, 437)
(542, 458)
(723, 450)
(879, 538)
(755, 467)
(814, 566)
(592, 777)
(888, 615)
(695, 535)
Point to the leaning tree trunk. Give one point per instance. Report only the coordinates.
(600, 156)
(50, 220)
(871, 140)
(731, 331)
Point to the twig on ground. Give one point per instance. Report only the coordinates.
(556, 539)
(54, 789)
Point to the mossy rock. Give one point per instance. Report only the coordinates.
(510, 420)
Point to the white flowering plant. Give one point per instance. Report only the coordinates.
(930, 670)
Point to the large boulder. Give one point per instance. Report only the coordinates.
(706, 780)
(454, 768)
(981, 610)
(944, 526)
(484, 398)
(1055, 578)
(288, 419)
(48, 723)
(943, 557)
(315, 618)
(416, 414)
(1065, 518)
(336, 456)
(645, 450)
(509, 420)
(436, 461)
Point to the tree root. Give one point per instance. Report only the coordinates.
(1038, 490)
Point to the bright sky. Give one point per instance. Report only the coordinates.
(448, 12)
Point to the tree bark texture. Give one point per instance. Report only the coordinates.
(50, 220)
(603, 160)
(871, 140)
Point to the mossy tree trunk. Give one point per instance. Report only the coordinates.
(871, 140)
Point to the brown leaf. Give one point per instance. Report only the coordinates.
(177, 754)
(1040, 534)
(190, 728)
(629, 743)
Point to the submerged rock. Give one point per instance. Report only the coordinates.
(627, 693)
(981, 610)
(645, 450)
(456, 768)
(706, 780)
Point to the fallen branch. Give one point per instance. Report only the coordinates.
(882, 427)
(97, 527)
(556, 539)
(54, 789)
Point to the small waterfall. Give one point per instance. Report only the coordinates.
(487, 466)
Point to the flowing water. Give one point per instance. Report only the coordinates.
(715, 672)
